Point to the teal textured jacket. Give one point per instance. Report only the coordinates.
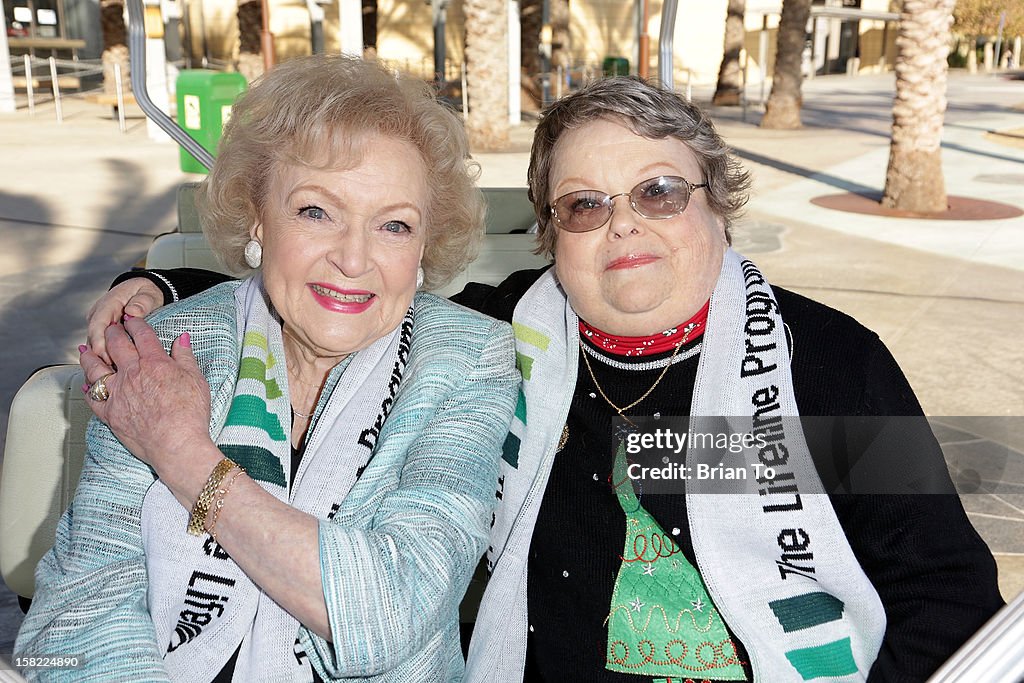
(396, 558)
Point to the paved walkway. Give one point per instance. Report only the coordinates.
(80, 202)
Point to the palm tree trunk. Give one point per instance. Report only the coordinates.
(250, 24)
(487, 74)
(730, 79)
(782, 110)
(531, 22)
(560, 42)
(914, 181)
(115, 44)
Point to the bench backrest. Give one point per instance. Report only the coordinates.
(43, 458)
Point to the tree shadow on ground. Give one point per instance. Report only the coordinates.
(56, 273)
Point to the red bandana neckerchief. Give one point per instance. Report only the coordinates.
(648, 346)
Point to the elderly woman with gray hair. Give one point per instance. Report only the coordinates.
(647, 313)
(302, 488)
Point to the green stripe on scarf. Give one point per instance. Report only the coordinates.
(251, 411)
(256, 339)
(531, 336)
(805, 611)
(510, 450)
(255, 369)
(830, 659)
(259, 463)
(521, 407)
(524, 364)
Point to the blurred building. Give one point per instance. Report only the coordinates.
(844, 35)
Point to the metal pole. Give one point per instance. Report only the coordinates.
(814, 47)
(999, 40)
(991, 654)
(120, 98)
(316, 37)
(665, 39)
(643, 66)
(56, 90)
(439, 8)
(885, 44)
(465, 100)
(7, 99)
(558, 84)
(29, 88)
(545, 52)
(762, 53)
(137, 77)
(316, 26)
(743, 85)
(514, 44)
(202, 31)
(266, 37)
(186, 25)
(743, 75)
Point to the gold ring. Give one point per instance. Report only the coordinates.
(98, 390)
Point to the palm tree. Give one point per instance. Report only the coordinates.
(531, 20)
(115, 44)
(250, 23)
(487, 73)
(730, 80)
(913, 181)
(782, 110)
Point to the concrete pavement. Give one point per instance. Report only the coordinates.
(80, 202)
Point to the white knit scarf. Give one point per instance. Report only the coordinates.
(777, 564)
(203, 605)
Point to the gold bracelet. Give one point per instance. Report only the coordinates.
(221, 495)
(197, 520)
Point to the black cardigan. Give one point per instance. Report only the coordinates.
(933, 572)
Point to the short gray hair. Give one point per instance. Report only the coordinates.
(648, 111)
(306, 107)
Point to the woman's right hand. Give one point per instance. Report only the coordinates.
(137, 297)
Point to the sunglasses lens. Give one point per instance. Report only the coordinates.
(581, 211)
(661, 197)
(586, 210)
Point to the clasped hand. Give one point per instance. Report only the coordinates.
(159, 404)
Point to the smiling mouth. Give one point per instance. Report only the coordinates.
(339, 296)
(631, 261)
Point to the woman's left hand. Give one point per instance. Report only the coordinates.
(158, 405)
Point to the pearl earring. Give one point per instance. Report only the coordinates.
(253, 254)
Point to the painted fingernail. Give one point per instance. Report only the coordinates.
(82, 348)
(185, 340)
(85, 388)
(127, 317)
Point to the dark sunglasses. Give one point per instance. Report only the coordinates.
(658, 198)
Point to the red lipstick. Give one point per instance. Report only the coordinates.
(336, 300)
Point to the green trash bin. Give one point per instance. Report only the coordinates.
(204, 106)
(615, 66)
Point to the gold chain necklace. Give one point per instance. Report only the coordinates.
(620, 411)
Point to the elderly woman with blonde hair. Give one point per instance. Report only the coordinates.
(302, 488)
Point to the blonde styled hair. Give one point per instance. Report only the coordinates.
(309, 109)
